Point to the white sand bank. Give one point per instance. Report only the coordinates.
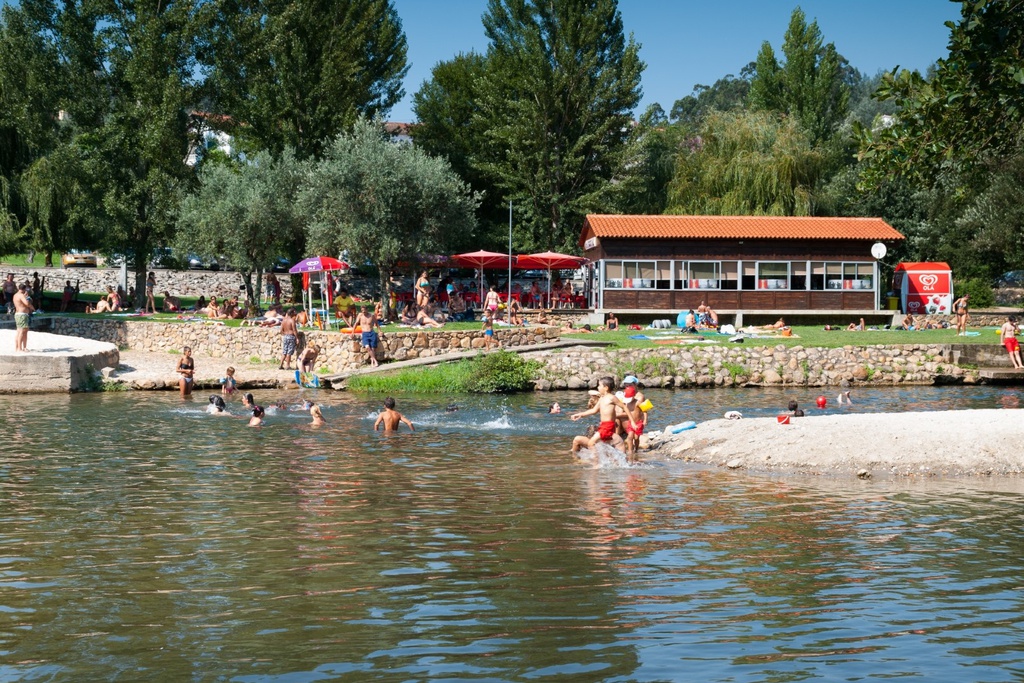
(941, 443)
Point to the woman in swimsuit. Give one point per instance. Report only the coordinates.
(422, 290)
(492, 300)
(960, 308)
(187, 369)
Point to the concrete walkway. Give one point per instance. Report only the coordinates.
(337, 381)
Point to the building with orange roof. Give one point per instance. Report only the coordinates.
(776, 264)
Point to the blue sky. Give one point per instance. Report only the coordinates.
(685, 42)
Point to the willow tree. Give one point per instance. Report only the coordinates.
(384, 202)
(747, 163)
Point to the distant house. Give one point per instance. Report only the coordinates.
(735, 263)
(207, 135)
(399, 132)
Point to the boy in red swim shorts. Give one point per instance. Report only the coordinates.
(1008, 335)
(606, 404)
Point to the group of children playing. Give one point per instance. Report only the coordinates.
(623, 414)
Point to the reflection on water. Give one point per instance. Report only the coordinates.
(145, 540)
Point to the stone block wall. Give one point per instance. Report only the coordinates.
(737, 365)
(338, 353)
(179, 283)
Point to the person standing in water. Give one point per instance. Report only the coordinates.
(187, 369)
(391, 418)
(317, 415)
(606, 404)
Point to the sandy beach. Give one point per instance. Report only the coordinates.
(929, 444)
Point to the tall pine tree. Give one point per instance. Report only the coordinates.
(555, 107)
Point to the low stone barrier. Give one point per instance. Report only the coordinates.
(339, 352)
(179, 283)
(734, 365)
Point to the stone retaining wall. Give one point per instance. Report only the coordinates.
(179, 283)
(753, 366)
(337, 350)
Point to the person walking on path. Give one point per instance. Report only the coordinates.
(288, 339)
(22, 315)
(1008, 336)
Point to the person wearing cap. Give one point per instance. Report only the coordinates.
(632, 397)
(23, 309)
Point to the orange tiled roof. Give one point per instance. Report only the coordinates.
(738, 227)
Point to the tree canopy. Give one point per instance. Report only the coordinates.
(295, 74)
(383, 202)
(809, 85)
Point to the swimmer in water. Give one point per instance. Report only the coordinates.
(257, 417)
(554, 409)
(216, 406)
(845, 397)
(452, 408)
(391, 418)
(318, 417)
(248, 401)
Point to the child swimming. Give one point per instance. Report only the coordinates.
(216, 406)
(257, 417)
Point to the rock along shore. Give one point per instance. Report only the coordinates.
(921, 444)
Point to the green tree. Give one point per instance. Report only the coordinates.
(555, 107)
(968, 114)
(245, 211)
(449, 126)
(295, 74)
(748, 163)
(809, 86)
(726, 94)
(384, 202)
(654, 146)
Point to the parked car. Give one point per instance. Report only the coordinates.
(78, 258)
(199, 263)
(1013, 278)
(281, 265)
(164, 257)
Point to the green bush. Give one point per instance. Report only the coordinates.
(501, 373)
(979, 290)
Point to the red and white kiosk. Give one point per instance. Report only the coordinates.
(924, 288)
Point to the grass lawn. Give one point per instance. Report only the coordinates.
(803, 336)
(809, 335)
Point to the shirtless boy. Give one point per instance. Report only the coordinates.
(1008, 336)
(391, 418)
(22, 311)
(288, 340)
(368, 324)
(606, 404)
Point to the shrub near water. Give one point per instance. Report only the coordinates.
(501, 372)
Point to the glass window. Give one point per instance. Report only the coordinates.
(773, 275)
(704, 274)
(630, 274)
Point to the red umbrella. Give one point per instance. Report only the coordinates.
(549, 261)
(483, 259)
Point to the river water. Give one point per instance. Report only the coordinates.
(143, 540)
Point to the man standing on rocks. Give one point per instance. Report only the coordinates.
(288, 338)
(22, 310)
